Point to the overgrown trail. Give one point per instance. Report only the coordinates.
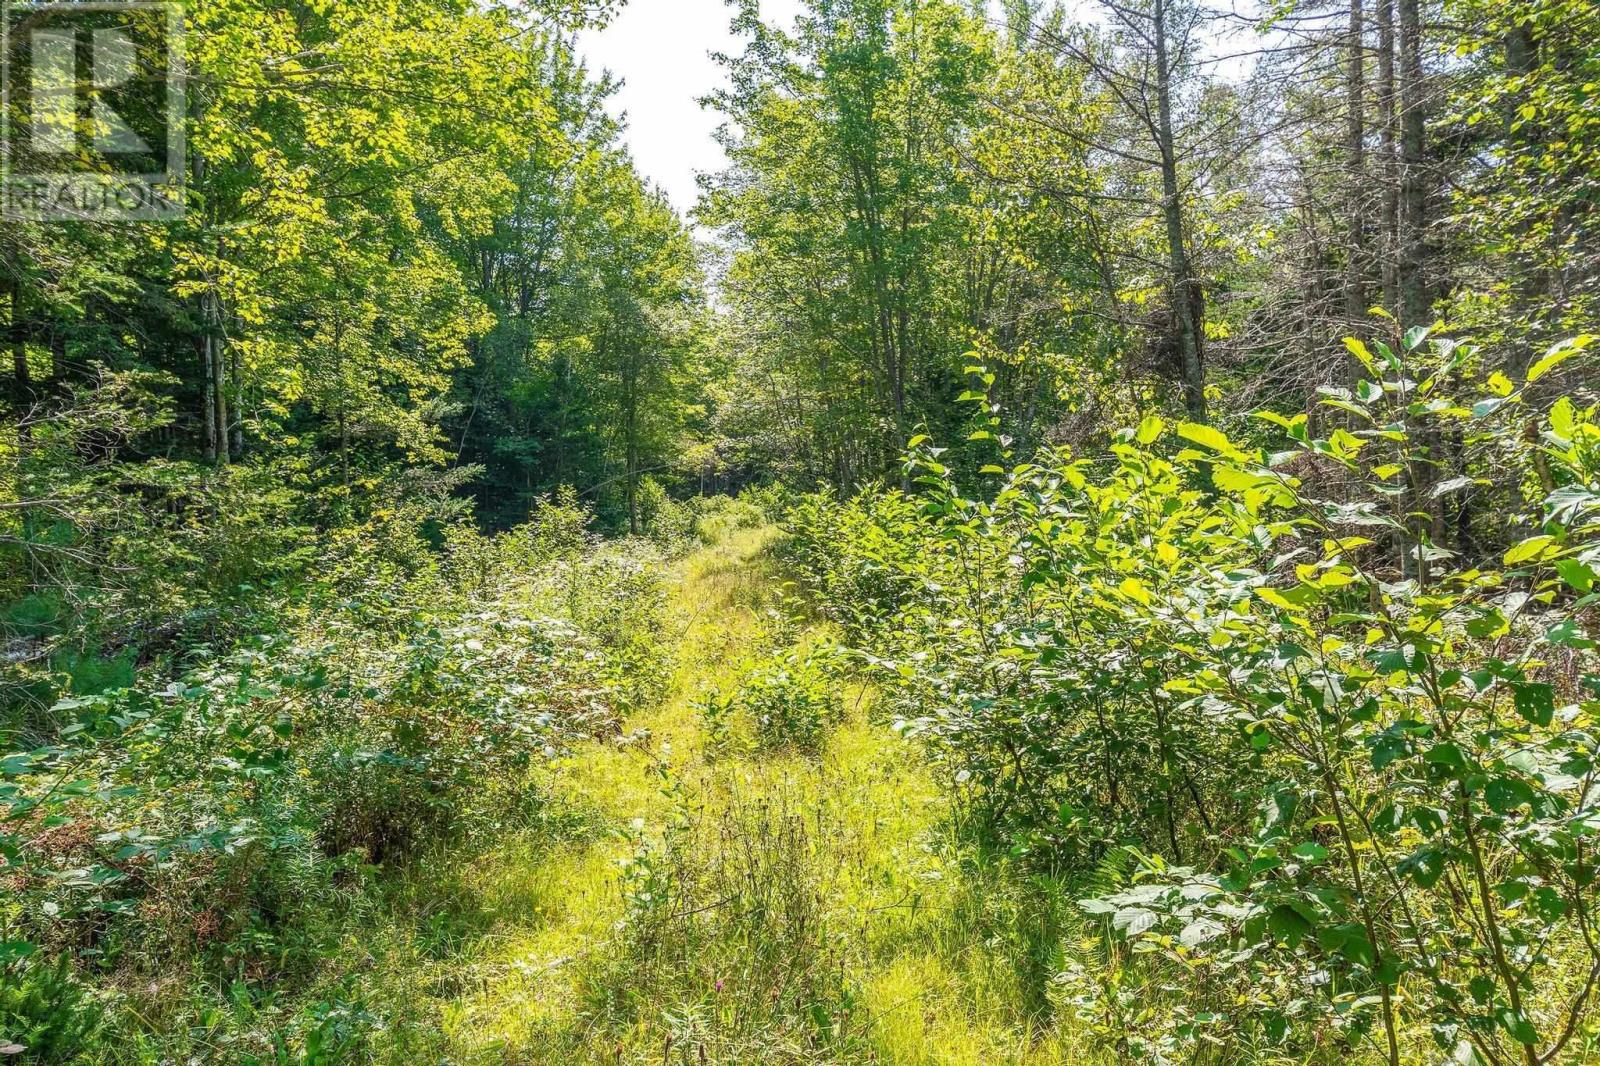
(687, 901)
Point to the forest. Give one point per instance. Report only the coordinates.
(1082, 547)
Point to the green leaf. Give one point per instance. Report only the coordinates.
(1424, 866)
(1291, 425)
(1528, 549)
(1310, 851)
(1577, 574)
(1535, 702)
(1563, 418)
(1448, 756)
(1134, 920)
(1151, 428)
(1414, 337)
(1199, 932)
(1360, 351)
(1506, 794)
(1568, 634)
(1289, 924)
(1517, 1025)
(1277, 599)
(1135, 590)
(1348, 939)
(1387, 748)
(1489, 625)
(1209, 437)
(1557, 355)
(1231, 479)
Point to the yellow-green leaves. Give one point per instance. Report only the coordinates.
(1295, 427)
(1360, 351)
(1530, 549)
(1135, 590)
(1559, 354)
(1211, 438)
(1277, 599)
(1563, 419)
(1151, 428)
(1231, 479)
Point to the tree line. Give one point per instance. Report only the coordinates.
(412, 236)
(1160, 202)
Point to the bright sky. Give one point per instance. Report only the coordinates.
(661, 50)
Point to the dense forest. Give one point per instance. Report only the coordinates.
(1083, 547)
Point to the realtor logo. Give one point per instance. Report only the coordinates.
(92, 111)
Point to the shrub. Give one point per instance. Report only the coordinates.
(792, 699)
(667, 522)
(719, 517)
(1354, 769)
(225, 814)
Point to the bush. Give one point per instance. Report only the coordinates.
(792, 699)
(224, 815)
(1352, 770)
(665, 521)
(719, 517)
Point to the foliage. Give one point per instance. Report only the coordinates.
(1333, 776)
(879, 232)
(332, 730)
(222, 811)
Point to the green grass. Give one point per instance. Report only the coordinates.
(674, 894)
(682, 903)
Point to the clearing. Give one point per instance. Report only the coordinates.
(688, 901)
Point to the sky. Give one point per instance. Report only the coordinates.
(661, 50)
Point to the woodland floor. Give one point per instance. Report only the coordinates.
(681, 902)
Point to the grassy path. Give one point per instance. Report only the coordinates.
(691, 905)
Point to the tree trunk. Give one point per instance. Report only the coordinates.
(207, 404)
(22, 381)
(1356, 257)
(238, 401)
(1415, 304)
(1389, 244)
(1188, 298)
(216, 360)
(1533, 284)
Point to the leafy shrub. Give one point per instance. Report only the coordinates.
(719, 517)
(223, 815)
(792, 699)
(772, 500)
(1355, 769)
(621, 601)
(664, 520)
(719, 716)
